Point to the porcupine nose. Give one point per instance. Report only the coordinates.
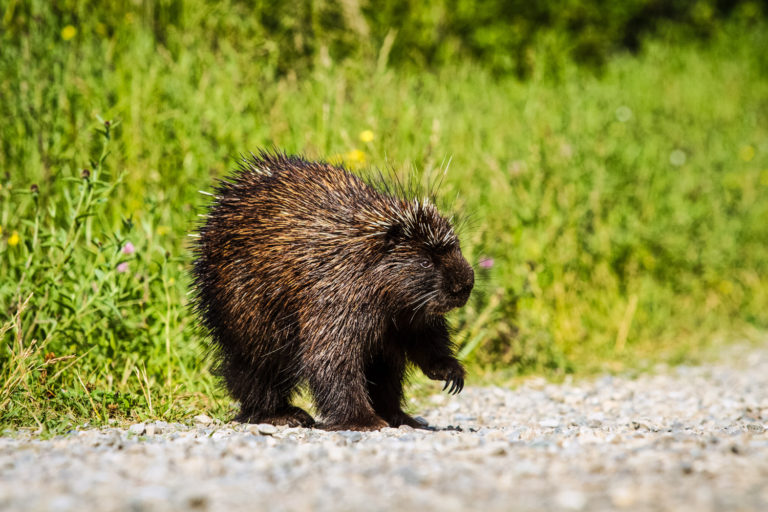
(462, 285)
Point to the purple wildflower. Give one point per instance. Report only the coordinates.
(122, 267)
(486, 263)
(128, 248)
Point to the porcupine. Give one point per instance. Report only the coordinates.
(307, 273)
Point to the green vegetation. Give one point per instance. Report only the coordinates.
(618, 216)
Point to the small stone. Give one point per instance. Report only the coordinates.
(496, 449)
(549, 423)
(150, 429)
(266, 429)
(755, 427)
(203, 419)
(137, 429)
(495, 435)
(410, 476)
(623, 497)
(197, 502)
(571, 499)
(351, 436)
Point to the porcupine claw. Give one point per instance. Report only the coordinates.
(457, 384)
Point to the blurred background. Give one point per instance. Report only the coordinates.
(611, 157)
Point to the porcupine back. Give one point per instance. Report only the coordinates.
(285, 236)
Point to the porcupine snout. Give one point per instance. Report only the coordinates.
(460, 280)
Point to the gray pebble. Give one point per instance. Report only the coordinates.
(137, 429)
(266, 429)
(203, 419)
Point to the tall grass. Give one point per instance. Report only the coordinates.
(617, 220)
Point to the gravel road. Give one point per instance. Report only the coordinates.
(686, 439)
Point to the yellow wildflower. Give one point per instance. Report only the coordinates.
(366, 136)
(162, 230)
(352, 159)
(355, 158)
(747, 153)
(68, 32)
(725, 287)
(1, 230)
(14, 239)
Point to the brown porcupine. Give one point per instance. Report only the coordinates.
(305, 272)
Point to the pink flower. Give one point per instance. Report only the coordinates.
(128, 248)
(486, 263)
(122, 267)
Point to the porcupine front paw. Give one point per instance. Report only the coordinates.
(449, 370)
(402, 418)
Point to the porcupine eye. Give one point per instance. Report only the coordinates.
(425, 263)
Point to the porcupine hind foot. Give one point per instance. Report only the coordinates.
(361, 424)
(291, 416)
(264, 392)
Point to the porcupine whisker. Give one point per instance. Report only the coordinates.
(428, 297)
(421, 301)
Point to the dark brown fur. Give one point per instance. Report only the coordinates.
(306, 273)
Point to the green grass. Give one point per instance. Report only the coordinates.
(625, 213)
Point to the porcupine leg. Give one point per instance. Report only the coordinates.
(264, 394)
(431, 350)
(337, 382)
(385, 376)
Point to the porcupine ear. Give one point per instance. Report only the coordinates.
(393, 236)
